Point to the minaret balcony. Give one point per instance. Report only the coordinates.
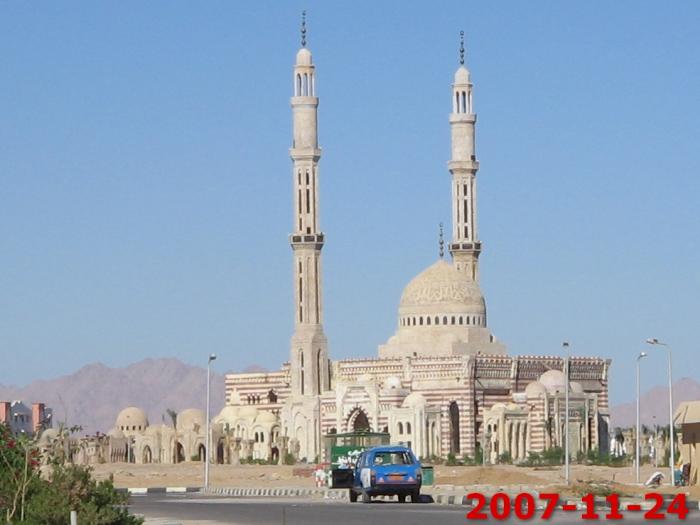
(463, 165)
(306, 240)
(311, 154)
(469, 118)
(465, 247)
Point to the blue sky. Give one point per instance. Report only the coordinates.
(145, 183)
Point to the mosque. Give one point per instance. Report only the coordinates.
(443, 384)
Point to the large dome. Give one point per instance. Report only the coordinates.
(442, 289)
(131, 418)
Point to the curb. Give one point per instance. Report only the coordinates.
(342, 494)
(141, 491)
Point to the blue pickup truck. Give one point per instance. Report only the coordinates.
(387, 470)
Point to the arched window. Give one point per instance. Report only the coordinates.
(298, 91)
(453, 319)
(400, 428)
(464, 102)
(420, 319)
(414, 321)
(467, 319)
(301, 361)
(408, 428)
(318, 371)
(444, 320)
(454, 427)
(305, 84)
(461, 320)
(312, 85)
(427, 320)
(456, 102)
(437, 320)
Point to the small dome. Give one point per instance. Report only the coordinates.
(228, 414)
(189, 418)
(248, 411)
(304, 57)
(442, 289)
(115, 433)
(535, 389)
(414, 400)
(48, 436)
(132, 418)
(266, 418)
(576, 387)
(462, 75)
(553, 381)
(392, 382)
(153, 431)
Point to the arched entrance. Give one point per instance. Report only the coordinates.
(220, 452)
(454, 428)
(358, 420)
(201, 453)
(178, 453)
(147, 456)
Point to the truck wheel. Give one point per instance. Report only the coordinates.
(415, 496)
(366, 498)
(353, 496)
(402, 498)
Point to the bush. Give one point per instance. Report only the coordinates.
(26, 498)
(505, 458)
(451, 460)
(289, 459)
(553, 456)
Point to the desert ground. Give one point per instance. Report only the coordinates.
(495, 477)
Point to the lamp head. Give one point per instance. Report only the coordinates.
(212, 357)
(565, 344)
(641, 355)
(653, 341)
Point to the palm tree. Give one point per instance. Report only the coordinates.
(173, 417)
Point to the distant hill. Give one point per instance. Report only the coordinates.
(93, 396)
(654, 403)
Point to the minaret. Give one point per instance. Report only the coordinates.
(309, 346)
(465, 247)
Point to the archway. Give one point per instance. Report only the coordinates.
(201, 453)
(220, 452)
(178, 453)
(454, 428)
(147, 456)
(358, 420)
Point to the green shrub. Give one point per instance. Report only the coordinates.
(289, 459)
(451, 460)
(505, 458)
(28, 499)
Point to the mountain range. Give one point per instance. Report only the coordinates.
(92, 396)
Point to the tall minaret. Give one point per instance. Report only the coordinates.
(465, 247)
(309, 346)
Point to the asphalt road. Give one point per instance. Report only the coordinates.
(207, 510)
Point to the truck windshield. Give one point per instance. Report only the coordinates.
(393, 458)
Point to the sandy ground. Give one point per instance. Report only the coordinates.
(489, 478)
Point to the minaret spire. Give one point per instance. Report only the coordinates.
(441, 243)
(465, 246)
(303, 28)
(309, 346)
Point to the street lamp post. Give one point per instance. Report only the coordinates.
(207, 447)
(637, 461)
(671, 459)
(567, 475)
